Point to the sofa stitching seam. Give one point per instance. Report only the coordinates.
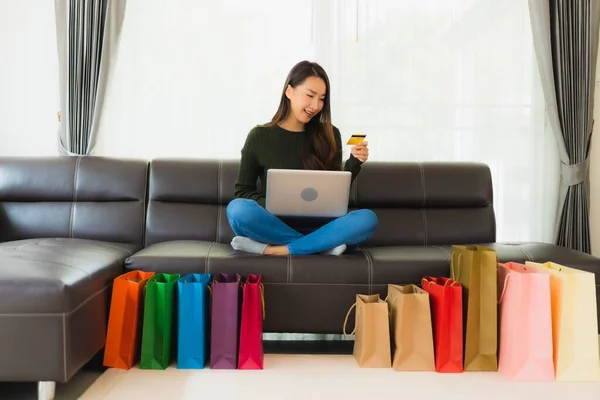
(43, 242)
(219, 200)
(443, 251)
(64, 323)
(424, 219)
(369, 270)
(423, 201)
(74, 202)
(526, 253)
(207, 260)
(83, 303)
(145, 205)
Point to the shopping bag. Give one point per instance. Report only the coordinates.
(525, 349)
(475, 268)
(574, 322)
(225, 318)
(251, 354)
(372, 332)
(445, 297)
(158, 321)
(411, 331)
(192, 320)
(124, 321)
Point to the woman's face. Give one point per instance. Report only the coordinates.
(307, 99)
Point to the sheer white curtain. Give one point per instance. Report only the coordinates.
(193, 77)
(451, 80)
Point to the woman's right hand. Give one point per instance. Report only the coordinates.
(361, 151)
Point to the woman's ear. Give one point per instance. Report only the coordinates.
(289, 90)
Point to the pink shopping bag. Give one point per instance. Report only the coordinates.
(526, 352)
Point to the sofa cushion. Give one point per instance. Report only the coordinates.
(351, 268)
(406, 264)
(56, 275)
(187, 256)
(178, 256)
(540, 253)
(413, 262)
(543, 252)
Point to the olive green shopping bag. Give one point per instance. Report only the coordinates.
(476, 269)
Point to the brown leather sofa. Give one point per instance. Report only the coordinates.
(69, 226)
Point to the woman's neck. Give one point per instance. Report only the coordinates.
(292, 124)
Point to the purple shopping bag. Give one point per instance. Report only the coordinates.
(225, 319)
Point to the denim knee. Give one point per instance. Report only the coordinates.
(366, 220)
(238, 210)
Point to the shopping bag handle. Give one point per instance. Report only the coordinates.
(423, 280)
(505, 285)
(452, 270)
(262, 299)
(392, 300)
(346, 321)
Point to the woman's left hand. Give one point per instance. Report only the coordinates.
(361, 151)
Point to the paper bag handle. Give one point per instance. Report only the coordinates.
(505, 285)
(346, 321)
(392, 299)
(262, 299)
(452, 270)
(209, 287)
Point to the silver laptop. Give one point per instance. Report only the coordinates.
(307, 193)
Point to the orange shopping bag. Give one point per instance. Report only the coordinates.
(123, 335)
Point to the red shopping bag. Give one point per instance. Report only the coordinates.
(445, 295)
(251, 353)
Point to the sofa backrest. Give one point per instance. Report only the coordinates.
(430, 203)
(417, 203)
(73, 197)
(187, 200)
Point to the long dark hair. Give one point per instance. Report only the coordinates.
(320, 147)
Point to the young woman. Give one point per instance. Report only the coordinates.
(300, 136)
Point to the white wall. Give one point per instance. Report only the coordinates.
(29, 96)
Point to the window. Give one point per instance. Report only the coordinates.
(436, 80)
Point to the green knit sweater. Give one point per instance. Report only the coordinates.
(275, 147)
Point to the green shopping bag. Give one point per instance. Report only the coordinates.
(158, 323)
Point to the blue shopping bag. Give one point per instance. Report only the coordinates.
(192, 322)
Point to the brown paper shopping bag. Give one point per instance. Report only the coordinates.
(372, 332)
(412, 333)
(475, 268)
(574, 322)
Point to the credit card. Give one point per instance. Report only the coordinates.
(356, 139)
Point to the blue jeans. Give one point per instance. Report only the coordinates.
(248, 218)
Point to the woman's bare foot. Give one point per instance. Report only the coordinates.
(276, 251)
